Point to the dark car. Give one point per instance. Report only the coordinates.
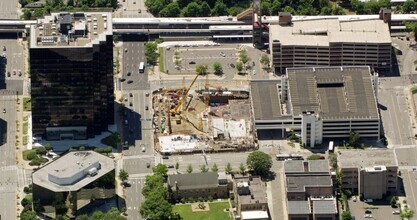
(191, 62)
(129, 73)
(170, 166)
(148, 165)
(130, 94)
(122, 79)
(130, 104)
(130, 81)
(146, 108)
(165, 157)
(232, 65)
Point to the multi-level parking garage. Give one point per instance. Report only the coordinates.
(210, 26)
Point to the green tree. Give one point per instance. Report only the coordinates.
(123, 175)
(177, 166)
(242, 169)
(412, 26)
(265, 8)
(155, 6)
(339, 179)
(23, 2)
(408, 6)
(407, 213)
(160, 169)
(219, 9)
(235, 10)
(171, 10)
(314, 157)
(156, 206)
(192, 10)
(275, 7)
(393, 201)
(28, 215)
(150, 52)
(41, 150)
(346, 215)
(338, 10)
(333, 161)
(326, 11)
(26, 14)
(228, 168)
(214, 168)
(289, 9)
(204, 169)
(154, 182)
(353, 139)
(264, 60)
(189, 168)
(205, 9)
(217, 67)
(201, 69)
(259, 162)
(239, 66)
(243, 56)
(70, 3)
(48, 147)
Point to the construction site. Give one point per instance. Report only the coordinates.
(207, 119)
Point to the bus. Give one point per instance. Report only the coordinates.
(282, 157)
(141, 67)
(331, 147)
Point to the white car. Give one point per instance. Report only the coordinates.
(395, 212)
(222, 54)
(368, 216)
(368, 200)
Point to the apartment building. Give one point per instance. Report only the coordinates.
(251, 201)
(371, 172)
(319, 103)
(71, 62)
(329, 42)
(309, 190)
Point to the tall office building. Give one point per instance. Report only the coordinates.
(71, 61)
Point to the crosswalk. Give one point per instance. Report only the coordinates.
(8, 168)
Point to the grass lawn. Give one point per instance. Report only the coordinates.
(161, 60)
(216, 211)
(25, 128)
(27, 104)
(25, 140)
(26, 152)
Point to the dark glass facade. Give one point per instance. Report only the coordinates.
(72, 90)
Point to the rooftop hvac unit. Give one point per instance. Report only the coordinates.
(92, 171)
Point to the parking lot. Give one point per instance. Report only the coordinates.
(364, 211)
(193, 54)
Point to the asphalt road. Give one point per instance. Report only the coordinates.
(132, 9)
(132, 202)
(8, 168)
(14, 54)
(410, 186)
(394, 110)
(8, 9)
(131, 59)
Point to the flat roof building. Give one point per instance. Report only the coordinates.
(330, 42)
(71, 62)
(81, 175)
(250, 196)
(319, 102)
(371, 172)
(309, 190)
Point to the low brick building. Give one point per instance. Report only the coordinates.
(250, 196)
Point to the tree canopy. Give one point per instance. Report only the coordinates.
(201, 69)
(259, 162)
(160, 169)
(217, 67)
(123, 175)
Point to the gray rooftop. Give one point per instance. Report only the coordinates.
(332, 92)
(256, 190)
(72, 170)
(265, 99)
(299, 183)
(298, 207)
(299, 166)
(366, 158)
(323, 32)
(324, 206)
(189, 181)
(47, 33)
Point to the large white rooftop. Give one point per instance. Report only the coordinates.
(322, 32)
(73, 171)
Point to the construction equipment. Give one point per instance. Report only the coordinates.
(184, 97)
